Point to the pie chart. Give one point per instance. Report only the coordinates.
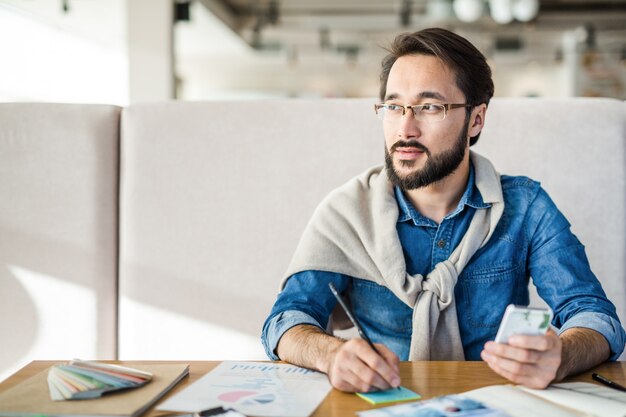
(247, 397)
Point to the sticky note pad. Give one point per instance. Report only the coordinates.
(389, 396)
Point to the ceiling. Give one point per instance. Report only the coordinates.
(389, 14)
(341, 28)
(356, 26)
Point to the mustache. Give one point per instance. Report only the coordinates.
(409, 144)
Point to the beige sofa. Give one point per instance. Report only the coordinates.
(161, 231)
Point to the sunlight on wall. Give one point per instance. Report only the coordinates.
(52, 339)
(43, 63)
(139, 340)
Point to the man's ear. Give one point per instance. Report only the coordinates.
(477, 120)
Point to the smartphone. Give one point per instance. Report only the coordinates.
(523, 320)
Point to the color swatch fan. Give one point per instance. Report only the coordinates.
(78, 380)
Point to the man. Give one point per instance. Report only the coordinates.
(432, 247)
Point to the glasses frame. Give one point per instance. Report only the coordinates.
(446, 108)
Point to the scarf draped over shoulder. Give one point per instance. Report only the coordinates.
(353, 232)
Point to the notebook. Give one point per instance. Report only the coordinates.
(32, 397)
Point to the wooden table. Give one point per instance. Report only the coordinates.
(429, 379)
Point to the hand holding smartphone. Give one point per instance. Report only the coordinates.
(523, 320)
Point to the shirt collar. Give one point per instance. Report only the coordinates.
(471, 197)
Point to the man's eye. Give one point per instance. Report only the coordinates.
(430, 108)
(394, 107)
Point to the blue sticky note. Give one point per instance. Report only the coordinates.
(389, 396)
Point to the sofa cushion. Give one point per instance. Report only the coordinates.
(214, 198)
(58, 232)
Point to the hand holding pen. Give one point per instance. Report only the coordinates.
(361, 369)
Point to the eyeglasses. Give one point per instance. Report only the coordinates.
(421, 112)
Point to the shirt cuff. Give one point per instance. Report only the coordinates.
(604, 324)
(278, 325)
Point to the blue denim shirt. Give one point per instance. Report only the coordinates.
(532, 238)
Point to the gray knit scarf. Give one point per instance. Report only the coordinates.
(353, 232)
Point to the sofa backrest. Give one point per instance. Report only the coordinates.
(58, 232)
(215, 196)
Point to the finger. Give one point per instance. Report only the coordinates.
(497, 369)
(513, 352)
(385, 363)
(339, 379)
(540, 343)
(369, 374)
(392, 359)
(348, 380)
(511, 366)
(359, 365)
(529, 381)
(537, 375)
(340, 372)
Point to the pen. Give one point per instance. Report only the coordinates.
(607, 382)
(353, 319)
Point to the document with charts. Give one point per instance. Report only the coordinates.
(261, 389)
(570, 399)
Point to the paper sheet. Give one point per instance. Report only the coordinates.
(445, 406)
(254, 389)
(593, 389)
(584, 397)
(516, 402)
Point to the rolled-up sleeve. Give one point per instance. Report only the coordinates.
(305, 299)
(275, 327)
(604, 324)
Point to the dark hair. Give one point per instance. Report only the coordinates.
(472, 73)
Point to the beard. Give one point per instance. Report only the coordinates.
(436, 168)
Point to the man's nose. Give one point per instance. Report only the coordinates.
(408, 127)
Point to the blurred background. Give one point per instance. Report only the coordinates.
(125, 51)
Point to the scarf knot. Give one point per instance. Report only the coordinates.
(441, 282)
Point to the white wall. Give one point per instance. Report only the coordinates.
(530, 79)
(150, 51)
(47, 56)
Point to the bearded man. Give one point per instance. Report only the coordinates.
(430, 248)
